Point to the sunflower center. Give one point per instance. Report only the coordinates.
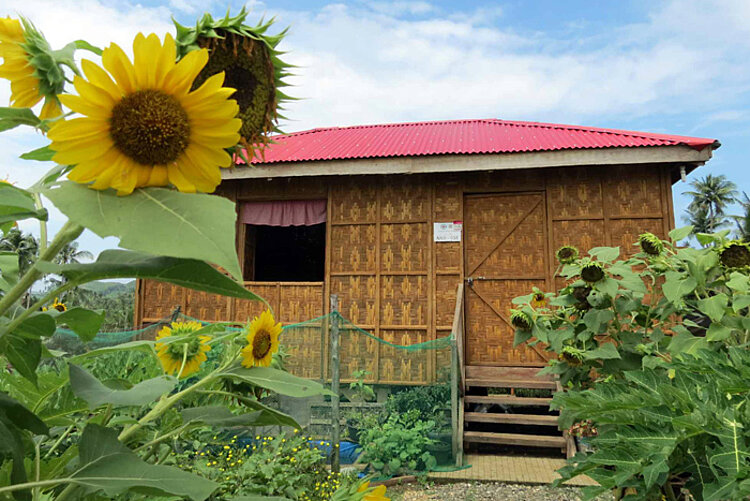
(735, 256)
(150, 127)
(59, 307)
(261, 344)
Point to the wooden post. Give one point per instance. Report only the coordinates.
(454, 396)
(335, 374)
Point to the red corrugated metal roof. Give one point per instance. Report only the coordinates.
(457, 137)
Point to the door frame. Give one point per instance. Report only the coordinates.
(548, 271)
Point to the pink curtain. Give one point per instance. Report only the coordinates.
(284, 213)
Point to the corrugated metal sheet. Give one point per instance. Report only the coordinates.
(457, 137)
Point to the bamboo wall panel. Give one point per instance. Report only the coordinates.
(160, 299)
(393, 280)
(397, 365)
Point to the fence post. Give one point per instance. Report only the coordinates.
(335, 374)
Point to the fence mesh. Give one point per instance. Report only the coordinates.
(391, 392)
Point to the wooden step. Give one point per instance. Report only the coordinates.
(508, 400)
(486, 372)
(514, 439)
(512, 383)
(523, 419)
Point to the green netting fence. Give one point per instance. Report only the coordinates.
(401, 376)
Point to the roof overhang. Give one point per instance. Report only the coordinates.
(680, 155)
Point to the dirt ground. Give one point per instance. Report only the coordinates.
(482, 491)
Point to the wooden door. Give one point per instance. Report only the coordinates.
(505, 255)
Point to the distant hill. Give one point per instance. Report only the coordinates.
(106, 288)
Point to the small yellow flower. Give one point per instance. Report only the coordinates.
(183, 356)
(57, 305)
(142, 124)
(263, 341)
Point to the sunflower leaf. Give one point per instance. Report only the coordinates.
(278, 381)
(83, 322)
(17, 204)
(116, 263)
(94, 392)
(218, 415)
(42, 154)
(157, 221)
(11, 118)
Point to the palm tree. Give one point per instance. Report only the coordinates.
(711, 195)
(698, 219)
(23, 244)
(71, 255)
(743, 221)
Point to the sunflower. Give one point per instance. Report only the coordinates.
(566, 254)
(142, 124)
(262, 340)
(248, 56)
(538, 299)
(520, 320)
(190, 351)
(31, 66)
(581, 294)
(651, 244)
(592, 272)
(735, 255)
(57, 305)
(376, 494)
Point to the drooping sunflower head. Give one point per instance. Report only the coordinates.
(651, 244)
(566, 254)
(184, 354)
(57, 305)
(248, 56)
(33, 68)
(144, 124)
(572, 355)
(520, 320)
(581, 294)
(262, 341)
(735, 255)
(592, 272)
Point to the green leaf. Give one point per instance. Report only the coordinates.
(739, 282)
(37, 325)
(521, 337)
(217, 415)
(8, 270)
(23, 354)
(740, 302)
(675, 288)
(608, 286)
(83, 44)
(605, 254)
(718, 332)
(156, 221)
(277, 381)
(43, 154)
(714, 306)
(11, 118)
(20, 416)
(259, 498)
(85, 323)
(90, 389)
(594, 319)
(188, 273)
(678, 234)
(707, 238)
(109, 466)
(17, 204)
(684, 342)
(141, 345)
(607, 351)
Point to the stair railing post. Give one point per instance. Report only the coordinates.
(335, 375)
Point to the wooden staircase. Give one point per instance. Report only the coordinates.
(509, 406)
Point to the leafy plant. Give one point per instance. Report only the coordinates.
(361, 392)
(431, 402)
(399, 445)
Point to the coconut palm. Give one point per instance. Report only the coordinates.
(25, 245)
(698, 219)
(71, 255)
(743, 220)
(711, 195)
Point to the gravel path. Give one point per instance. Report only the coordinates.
(483, 491)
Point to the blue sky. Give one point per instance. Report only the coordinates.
(673, 66)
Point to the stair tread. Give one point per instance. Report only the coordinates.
(507, 400)
(514, 439)
(512, 383)
(530, 419)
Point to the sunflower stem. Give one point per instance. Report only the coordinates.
(69, 232)
(42, 224)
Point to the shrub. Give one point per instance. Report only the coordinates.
(399, 445)
(431, 402)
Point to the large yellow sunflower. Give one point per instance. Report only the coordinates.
(57, 305)
(262, 341)
(187, 354)
(26, 89)
(142, 125)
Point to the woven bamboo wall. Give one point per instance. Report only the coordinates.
(393, 280)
